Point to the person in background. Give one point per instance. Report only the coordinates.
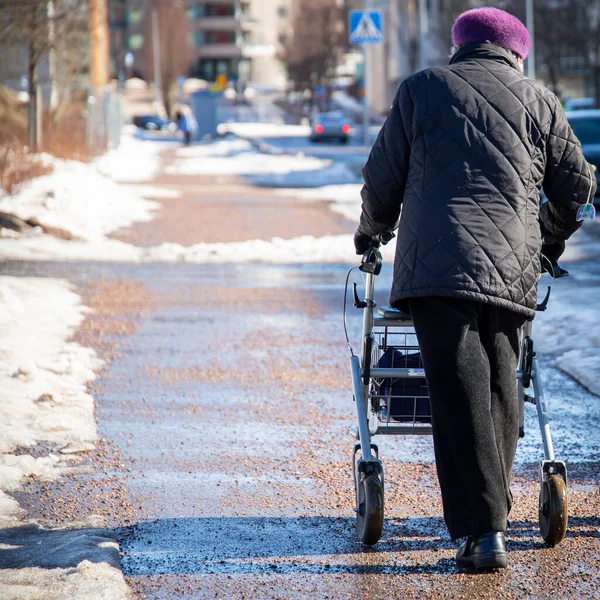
(464, 152)
(187, 124)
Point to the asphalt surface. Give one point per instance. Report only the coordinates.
(225, 456)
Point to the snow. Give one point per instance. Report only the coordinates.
(265, 130)
(43, 378)
(347, 102)
(237, 157)
(304, 249)
(582, 365)
(344, 198)
(84, 581)
(77, 198)
(568, 331)
(226, 147)
(135, 160)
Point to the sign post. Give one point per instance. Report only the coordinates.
(366, 28)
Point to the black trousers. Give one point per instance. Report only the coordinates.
(470, 354)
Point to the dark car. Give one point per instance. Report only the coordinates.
(154, 123)
(330, 126)
(586, 126)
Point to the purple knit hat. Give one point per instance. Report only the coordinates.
(492, 25)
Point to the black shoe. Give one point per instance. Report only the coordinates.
(484, 552)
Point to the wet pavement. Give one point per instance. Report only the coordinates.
(228, 402)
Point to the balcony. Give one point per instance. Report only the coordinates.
(222, 23)
(218, 51)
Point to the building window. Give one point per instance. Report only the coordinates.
(282, 12)
(220, 37)
(219, 10)
(283, 39)
(117, 16)
(207, 69)
(223, 67)
(135, 41)
(194, 13)
(210, 68)
(134, 16)
(198, 38)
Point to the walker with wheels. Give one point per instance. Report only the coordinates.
(391, 398)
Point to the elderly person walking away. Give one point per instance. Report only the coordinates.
(464, 152)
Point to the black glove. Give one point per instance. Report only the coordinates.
(552, 247)
(554, 250)
(361, 242)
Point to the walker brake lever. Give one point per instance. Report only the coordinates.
(553, 269)
(544, 303)
(358, 303)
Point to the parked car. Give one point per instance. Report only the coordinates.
(580, 104)
(330, 126)
(586, 126)
(154, 123)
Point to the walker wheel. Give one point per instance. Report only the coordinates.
(553, 509)
(369, 514)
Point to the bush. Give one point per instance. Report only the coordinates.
(18, 165)
(64, 137)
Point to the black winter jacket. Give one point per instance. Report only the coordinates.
(464, 151)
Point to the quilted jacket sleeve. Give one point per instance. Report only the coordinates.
(386, 171)
(568, 181)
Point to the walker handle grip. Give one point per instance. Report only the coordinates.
(381, 239)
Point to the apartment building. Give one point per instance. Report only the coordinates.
(240, 39)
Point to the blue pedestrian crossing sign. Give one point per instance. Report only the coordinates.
(366, 27)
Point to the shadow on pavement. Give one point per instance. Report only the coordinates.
(277, 545)
(312, 545)
(528, 533)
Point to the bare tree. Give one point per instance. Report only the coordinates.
(318, 42)
(174, 48)
(30, 31)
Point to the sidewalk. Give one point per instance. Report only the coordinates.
(222, 398)
(47, 424)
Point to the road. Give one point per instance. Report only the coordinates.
(225, 457)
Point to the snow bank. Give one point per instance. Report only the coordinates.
(304, 249)
(568, 331)
(237, 157)
(326, 175)
(86, 581)
(227, 147)
(135, 160)
(43, 379)
(265, 130)
(77, 198)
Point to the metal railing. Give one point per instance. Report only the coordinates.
(104, 122)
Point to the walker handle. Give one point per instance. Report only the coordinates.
(550, 266)
(381, 239)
